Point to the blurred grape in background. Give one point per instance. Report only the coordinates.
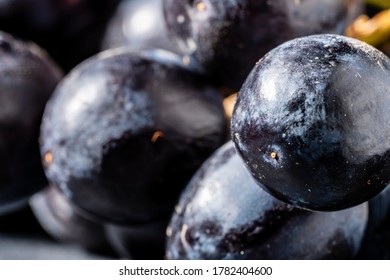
(138, 24)
(70, 30)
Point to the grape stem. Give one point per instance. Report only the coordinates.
(374, 31)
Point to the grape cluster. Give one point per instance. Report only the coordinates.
(115, 142)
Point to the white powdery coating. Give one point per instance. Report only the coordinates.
(73, 110)
(213, 201)
(309, 71)
(236, 202)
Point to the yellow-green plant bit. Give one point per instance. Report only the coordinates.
(374, 31)
(384, 4)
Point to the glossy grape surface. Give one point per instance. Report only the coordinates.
(27, 79)
(228, 37)
(311, 122)
(223, 214)
(125, 131)
(376, 244)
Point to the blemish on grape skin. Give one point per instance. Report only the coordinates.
(48, 158)
(158, 134)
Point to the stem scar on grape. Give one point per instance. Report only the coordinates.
(48, 158)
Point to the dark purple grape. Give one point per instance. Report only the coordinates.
(27, 79)
(228, 37)
(376, 243)
(138, 24)
(125, 131)
(62, 221)
(223, 214)
(70, 30)
(140, 242)
(312, 122)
